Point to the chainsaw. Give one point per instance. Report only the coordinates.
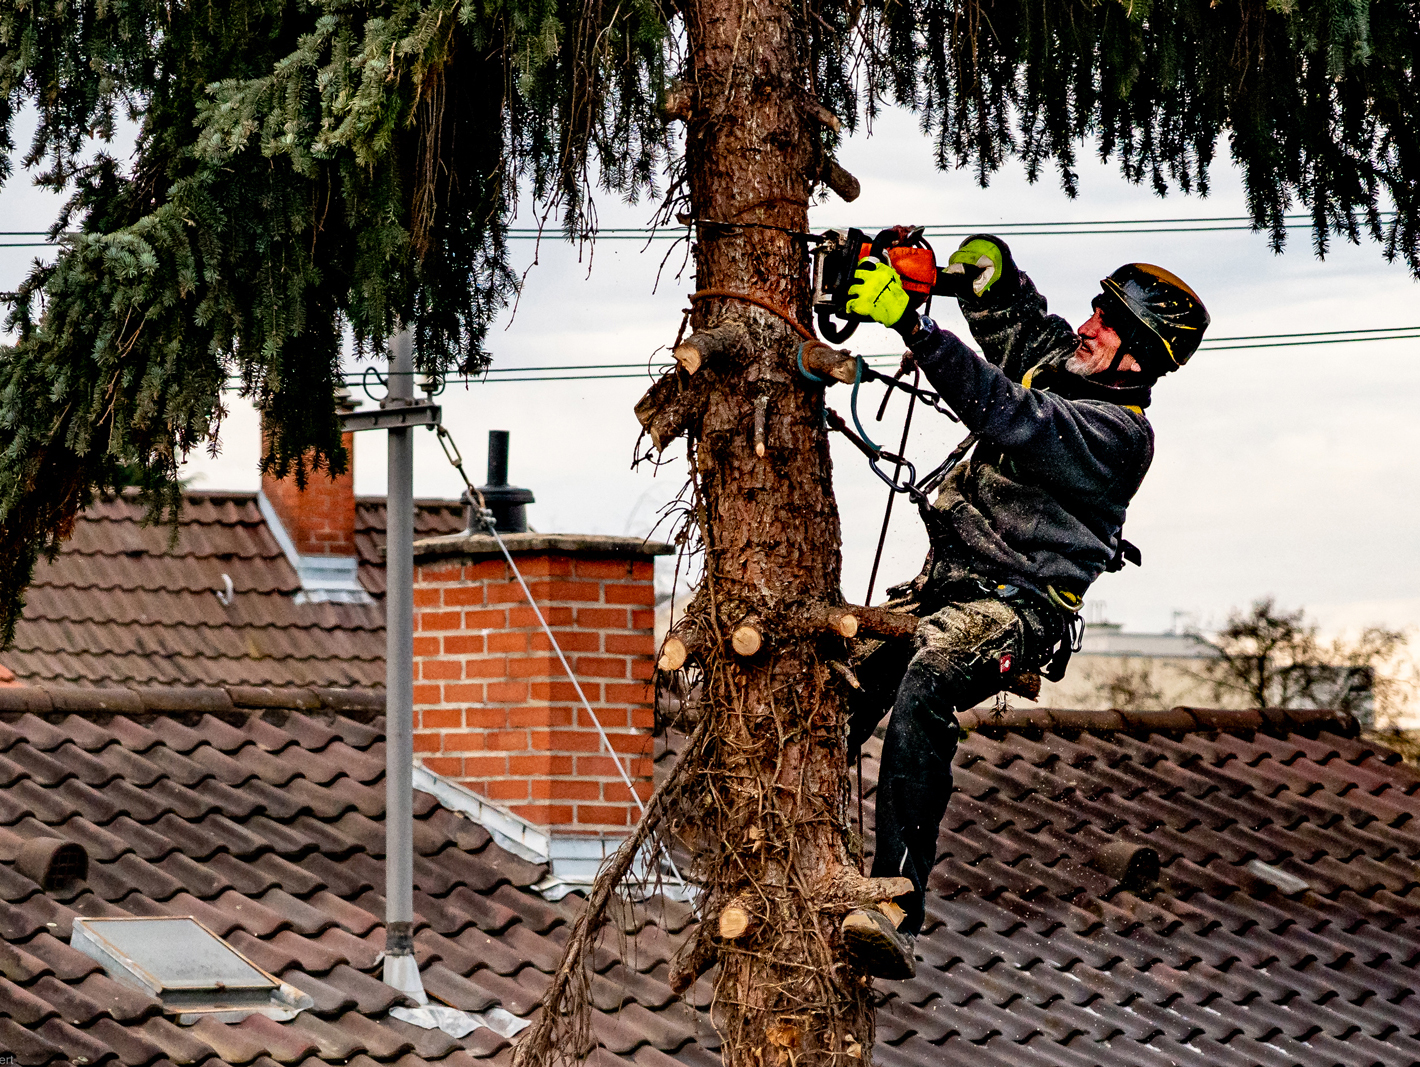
(837, 256)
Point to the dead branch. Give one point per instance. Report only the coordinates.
(735, 919)
(846, 673)
(832, 617)
(881, 622)
(666, 410)
(822, 115)
(535, 1047)
(699, 955)
(846, 887)
(679, 102)
(679, 647)
(839, 180)
(761, 416)
(703, 345)
(748, 637)
(830, 362)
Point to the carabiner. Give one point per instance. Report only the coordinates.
(893, 481)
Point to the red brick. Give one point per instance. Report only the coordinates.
(637, 593)
(485, 569)
(485, 667)
(630, 744)
(463, 596)
(643, 668)
(504, 641)
(448, 766)
(544, 814)
(526, 618)
(427, 694)
(603, 618)
(426, 646)
(491, 619)
(440, 620)
(602, 815)
(507, 789)
(643, 718)
(610, 716)
(533, 666)
(566, 789)
(573, 741)
(633, 693)
(539, 766)
(447, 670)
(512, 592)
(629, 644)
(617, 792)
(605, 568)
(426, 742)
(643, 620)
(486, 718)
(439, 718)
(463, 644)
(507, 692)
(485, 766)
(600, 666)
(464, 740)
(560, 690)
(603, 766)
(644, 569)
(543, 566)
(506, 740)
(539, 715)
(568, 641)
(428, 598)
(439, 574)
(462, 693)
(588, 592)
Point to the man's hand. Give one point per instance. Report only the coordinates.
(989, 257)
(877, 293)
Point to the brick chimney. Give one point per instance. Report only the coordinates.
(315, 527)
(493, 709)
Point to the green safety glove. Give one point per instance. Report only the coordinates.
(877, 293)
(991, 258)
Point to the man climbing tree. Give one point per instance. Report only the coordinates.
(308, 168)
(1018, 531)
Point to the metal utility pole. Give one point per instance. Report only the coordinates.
(401, 969)
(399, 413)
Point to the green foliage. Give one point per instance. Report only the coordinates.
(312, 169)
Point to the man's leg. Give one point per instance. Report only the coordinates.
(956, 666)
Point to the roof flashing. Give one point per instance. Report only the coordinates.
(182, 963)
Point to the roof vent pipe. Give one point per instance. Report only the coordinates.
(507, 502)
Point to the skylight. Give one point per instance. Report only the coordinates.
(186, 966)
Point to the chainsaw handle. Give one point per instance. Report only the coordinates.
(833, 332)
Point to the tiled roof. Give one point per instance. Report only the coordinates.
(266, 823)
(121, 605)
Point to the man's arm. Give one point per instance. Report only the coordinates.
(1076, 444)
(1011, 324)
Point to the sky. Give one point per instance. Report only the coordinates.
(1283, 471)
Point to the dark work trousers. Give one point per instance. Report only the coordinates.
(952, 663)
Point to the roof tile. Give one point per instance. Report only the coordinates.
(29, 1047)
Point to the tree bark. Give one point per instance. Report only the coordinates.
(772, 545)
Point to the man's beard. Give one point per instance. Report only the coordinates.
(1078, 364)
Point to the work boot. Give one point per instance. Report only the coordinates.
(873, 944)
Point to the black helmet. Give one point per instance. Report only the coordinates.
(1159, 319)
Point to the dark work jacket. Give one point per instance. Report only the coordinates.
(1041, 499)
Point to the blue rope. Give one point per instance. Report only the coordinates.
(853, 406)
(810, 375)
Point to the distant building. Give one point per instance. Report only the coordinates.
(1118, 669)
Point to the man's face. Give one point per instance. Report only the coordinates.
(1098, 346)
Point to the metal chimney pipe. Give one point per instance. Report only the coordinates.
(497, 457)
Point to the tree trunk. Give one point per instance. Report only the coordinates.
(772, 549)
